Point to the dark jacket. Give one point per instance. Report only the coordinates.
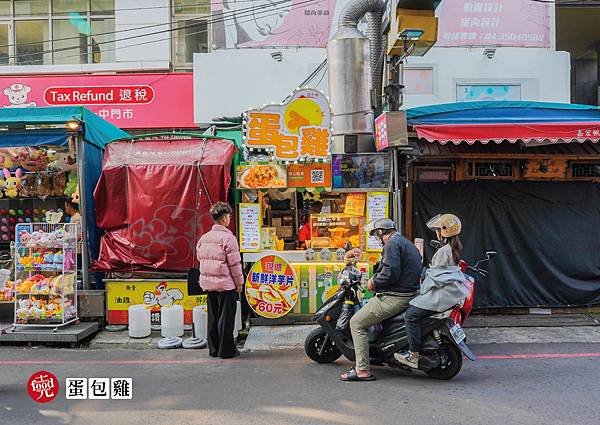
(400, 267)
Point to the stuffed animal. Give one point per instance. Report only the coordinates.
(44, 185)
(41, 288)
(53, 310)
(2, 187)
(32, 159)
(36, 237)
(13, 183)
(69, 260)
(64, 161)
(59, 236)
(58, 260)
(75, 195)
(37, 308)
(49, 258)
(23, 309)
(59, 183)
(28, 183)
(24, 238)
(25, 286)
(71, 184)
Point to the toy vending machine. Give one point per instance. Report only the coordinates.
(45, 274)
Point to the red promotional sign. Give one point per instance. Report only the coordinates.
(130, 101)
(42, 386)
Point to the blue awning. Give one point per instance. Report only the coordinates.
(501, 112)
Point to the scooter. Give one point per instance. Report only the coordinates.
(444, 340)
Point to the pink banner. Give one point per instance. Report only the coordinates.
(517, 23)
(276, 23)
(130, 101)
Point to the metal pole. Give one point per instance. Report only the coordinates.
(82, 211)
(396, 198)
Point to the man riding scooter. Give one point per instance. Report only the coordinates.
(395, 282)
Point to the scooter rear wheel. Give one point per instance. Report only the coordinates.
(319, 348)
(453, 364)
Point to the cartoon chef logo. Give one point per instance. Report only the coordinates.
(17, 96)
(162, 296)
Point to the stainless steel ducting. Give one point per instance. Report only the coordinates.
(355, 67)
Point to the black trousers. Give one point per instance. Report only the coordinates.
(413, 319)
(221, 321)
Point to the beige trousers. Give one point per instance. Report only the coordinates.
(379, 308)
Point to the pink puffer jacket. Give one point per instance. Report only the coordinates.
(220, 261)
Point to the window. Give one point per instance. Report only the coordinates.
(42, 32)
(475, 92)
(418, 81)
(191, 17)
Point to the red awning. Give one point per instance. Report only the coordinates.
(535, 133)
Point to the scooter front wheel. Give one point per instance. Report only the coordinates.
(320, 348)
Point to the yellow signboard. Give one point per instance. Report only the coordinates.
(301, 127)
(120, 294)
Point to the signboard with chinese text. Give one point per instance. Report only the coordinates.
(301, 127)
(516, 23)
(309, 175)
(391, 130)
(261, 176)
(355, 204)
(272, 287)
(129, 101)
(289, 23)
(250, 220)
(120, 294)
(378, 205)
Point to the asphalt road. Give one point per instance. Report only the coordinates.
(545, 384)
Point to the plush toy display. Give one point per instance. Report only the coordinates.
(13, 183)
(64, 161)
(71, 184)
(75, 195)
(32, 159)
(28, 186)
(44, 185)
(59, 183)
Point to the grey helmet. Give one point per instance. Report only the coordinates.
(380, 224)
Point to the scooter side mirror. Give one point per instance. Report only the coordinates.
(491, 254)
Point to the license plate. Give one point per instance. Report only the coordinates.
(457, 333)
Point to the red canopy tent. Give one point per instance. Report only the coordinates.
(153, 198)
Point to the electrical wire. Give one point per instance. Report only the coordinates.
(167, 39)
(248, 13)
(242, 10)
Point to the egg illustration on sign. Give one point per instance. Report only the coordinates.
(303, 112)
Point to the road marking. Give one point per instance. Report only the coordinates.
(237, 361)
(538, 356)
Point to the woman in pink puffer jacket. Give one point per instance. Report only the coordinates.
(221, 276)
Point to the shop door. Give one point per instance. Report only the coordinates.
(546, 234)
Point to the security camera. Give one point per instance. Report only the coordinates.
(489, 53)
(278, 56)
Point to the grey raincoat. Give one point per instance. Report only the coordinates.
(442, 288)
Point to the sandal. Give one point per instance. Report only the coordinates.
(352, 376)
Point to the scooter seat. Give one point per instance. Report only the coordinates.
(399, 318)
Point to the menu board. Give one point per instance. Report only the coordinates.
(378, 205)
(361, 172)
(335, 230)
(249, 227)
(355, 204)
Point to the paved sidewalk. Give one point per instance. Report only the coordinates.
(287, 337)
